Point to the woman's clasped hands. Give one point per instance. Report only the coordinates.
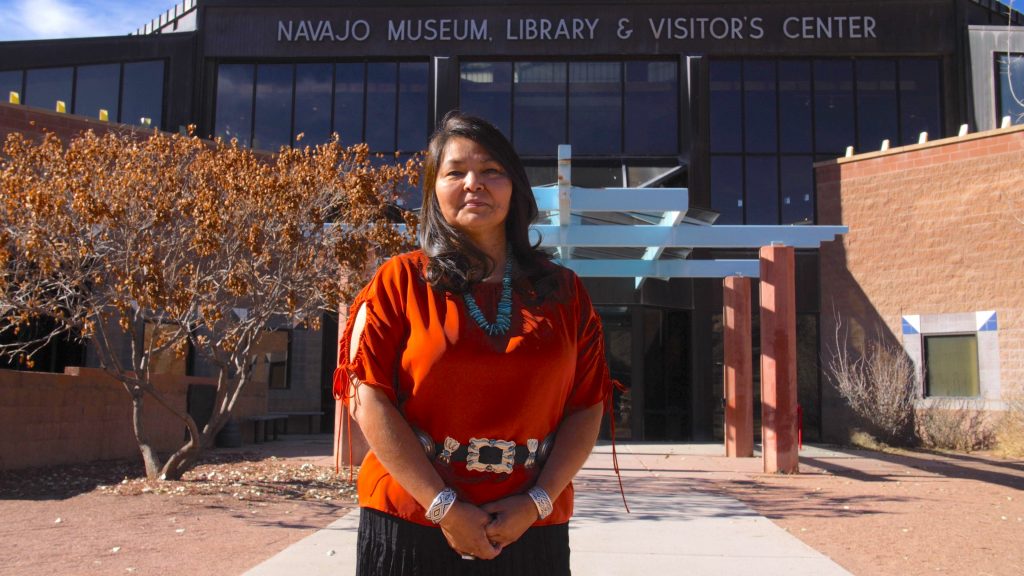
(484, 531)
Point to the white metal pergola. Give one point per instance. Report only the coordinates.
(598, 249)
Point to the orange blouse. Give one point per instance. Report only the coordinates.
(449, 379)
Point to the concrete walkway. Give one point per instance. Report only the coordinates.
(672, 528)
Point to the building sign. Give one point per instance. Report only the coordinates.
(758, 27)
(574, 28)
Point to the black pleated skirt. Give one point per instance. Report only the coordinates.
(390, 546)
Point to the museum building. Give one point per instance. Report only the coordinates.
(734, 101)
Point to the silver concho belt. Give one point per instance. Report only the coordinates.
(486, 454)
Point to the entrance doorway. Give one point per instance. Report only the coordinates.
(647, 349)
(666, 375)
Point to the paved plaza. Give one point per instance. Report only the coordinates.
(672, 528)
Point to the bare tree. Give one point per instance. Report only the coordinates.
(208, 243)
(1012, 60)
(880, 385)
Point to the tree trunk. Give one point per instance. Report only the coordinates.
(149, 456)
(182, 461)
(187, 456)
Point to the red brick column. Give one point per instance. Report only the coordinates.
(739, 387)
(778, 360)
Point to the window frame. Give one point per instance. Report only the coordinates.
(624, 156)
(781, 149)
(984, 325)
(927, 382)
(398, 63)
(997, 88)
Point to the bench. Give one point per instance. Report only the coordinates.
(311, 419)
(266, 426)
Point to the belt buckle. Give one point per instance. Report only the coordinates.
(508, 455)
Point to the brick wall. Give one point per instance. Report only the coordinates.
(36, 121)
(304, 377)
(935, 228)
(85, 415)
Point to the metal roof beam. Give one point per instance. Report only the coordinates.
(617, 236)
(663, 268)
(614, 199)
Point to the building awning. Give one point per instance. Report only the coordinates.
(650, 232)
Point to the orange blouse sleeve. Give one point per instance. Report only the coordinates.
(592, 381)
(380, 344)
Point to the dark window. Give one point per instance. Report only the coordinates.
(271, 359)
(142, 96)
(795, 106)
(486, 91)
(819, 113)
(727, 188)
(762, 198)
(383, 104)
(601, 108)
(606, 176)
(595, 107)
(410, 197)
(44, 87)
(759, 106)
(877, 104)
(726, 117)
(652, 108)
(919, 99)
(667, 174)
(833, 106)
(278, 375)
(272, 123)
(381, 91)
(542, 175)
(412, 106)
(10, 81)
(797, 176)
(1010, 70)
(234, 102)
(60, 352)
(349, 89)
(313, 103)
(539, 114)
(952, 365)
(96, 89)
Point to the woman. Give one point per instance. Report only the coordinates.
(476, 371)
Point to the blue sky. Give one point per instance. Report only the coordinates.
(33, 19)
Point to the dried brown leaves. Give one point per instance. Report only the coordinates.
(187, 230)
(207, 240)
(248, 477)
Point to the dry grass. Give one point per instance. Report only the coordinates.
(865, 440)
(1010, 430)
(954, 424)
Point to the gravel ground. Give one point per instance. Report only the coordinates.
(901, 513)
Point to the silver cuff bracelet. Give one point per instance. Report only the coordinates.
(441, 505)
(542, 501)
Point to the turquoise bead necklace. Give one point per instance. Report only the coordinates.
(504, 319)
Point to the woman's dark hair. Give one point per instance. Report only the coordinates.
(454, 262)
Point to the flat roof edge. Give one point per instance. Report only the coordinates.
(916, 147)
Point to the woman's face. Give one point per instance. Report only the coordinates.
(473, 190)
